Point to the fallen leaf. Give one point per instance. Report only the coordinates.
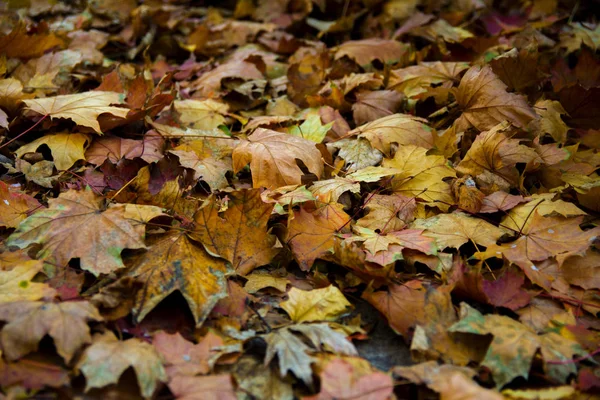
(402, 305)
(32, 374)
(456, 229)
(311, 129)
(493, 157)
(514, 345)
(183, 358)
(21, 45)
(82, 108)
(421, 176)
(29, 321)
(214, 387)
(95, 236)
(292, 353)
(339, 380)
(239, 234)
(66, 148)
(325, 304)
(17, 285)
(388, 213)
(366, 51)
(15, 206)
(311, 232)
(401, 129)
(485, 102)
(107, 358)
(370, 106)
(174, 262)
(451, 382)
(272, 158)
(206, 114)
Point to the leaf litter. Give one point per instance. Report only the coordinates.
(299, 199)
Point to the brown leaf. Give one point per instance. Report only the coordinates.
(238, 234)
(183, 358)
(402, 129)
(364, 52)
(95, 236)
(21, 45)
(339, 380)
(272, 158)
(214, 387)
(175, 262)
(402, 305)
(311, 232)
(15, 206)
(82, 108)
(29, 321)
(370, 106)
(107, 358)
(485, 102)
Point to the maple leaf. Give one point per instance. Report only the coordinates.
(82, 108)
(545, 237)
(207, 114)
(514, 345)
(400, 129)
(485, 102)
(311, 129)
(175, 262)
(519, 217)
(272, 158)
(32, 374)
(340, 380)
(66, 148)
(384, 249)
(370, 106)
(107, 358)
(421, 176)
(21, 45)
(114, 149)
(402, 305)
(330, 190)
(493, 157)
(238, 234)
(366, 51)
(456, 229)
(417, 80)
(214, 387)
(95, 236)
(358, 154)
(325, 304)
(387, 213)
(29, 321)
(447, 380)
(259, 280)
(182, 357)
(16, 284)
(210, 158)
(292, 353)
(15, 206)
(311, 231)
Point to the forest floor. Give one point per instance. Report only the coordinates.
(299, 199)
